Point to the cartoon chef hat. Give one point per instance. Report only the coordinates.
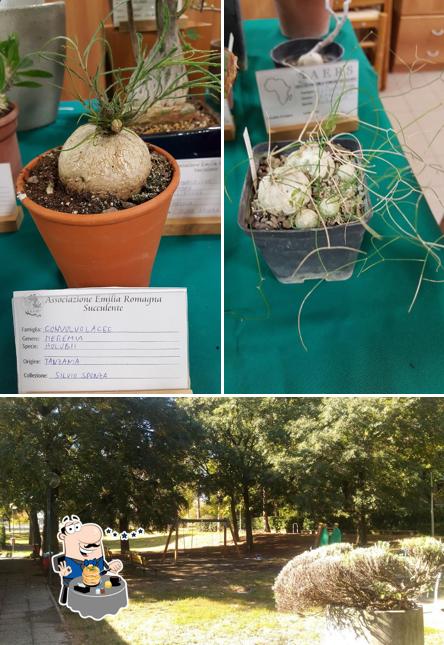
(66, 519)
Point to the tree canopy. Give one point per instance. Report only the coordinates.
(363, 462)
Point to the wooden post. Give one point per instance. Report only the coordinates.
(176, 545)
(225, 536)
(168, 542)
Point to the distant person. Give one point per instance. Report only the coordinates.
(336, 535)
(321, 537)
(324, 536)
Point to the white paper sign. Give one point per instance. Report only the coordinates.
(198, 194)
(86, 340)
(143, 10)
(288, 96)
(8, 204)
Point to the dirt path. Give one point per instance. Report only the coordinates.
(28, 615)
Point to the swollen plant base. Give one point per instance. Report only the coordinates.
(44, 187)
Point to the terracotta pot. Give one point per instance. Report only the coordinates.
(104, 250)
(302, 18)
(9, 150)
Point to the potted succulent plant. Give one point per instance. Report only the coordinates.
(307, 49)
(36, 24)
(308, 207)
(101, 201)
(370, 595)
(14, 72)
(301, 19)
(182, 123)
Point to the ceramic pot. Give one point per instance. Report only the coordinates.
(356, 627)
(108, 249)
(9, 150)
(302, 18)
(35, 26)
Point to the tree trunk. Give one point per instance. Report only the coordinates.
(266, 522)
(234, 521)
(123, 526)
(362, 529)
(248, 518)
(34, 531)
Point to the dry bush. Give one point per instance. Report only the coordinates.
(364, 578)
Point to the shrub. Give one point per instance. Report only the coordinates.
(363, 578)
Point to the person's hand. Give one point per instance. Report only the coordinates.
(115, 566)
(64, 570)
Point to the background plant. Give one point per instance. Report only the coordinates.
(16, 71)
(373, 578)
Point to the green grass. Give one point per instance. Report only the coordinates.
(21, 550)
(187, 605)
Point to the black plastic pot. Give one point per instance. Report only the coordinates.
(293, 49)
(190, 144)
(291, 254)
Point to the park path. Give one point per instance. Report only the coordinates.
(28, 615)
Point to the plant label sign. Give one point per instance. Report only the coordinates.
(195, 208)
(291, 97)
(101, 340)
(143, 10)
(11, 215)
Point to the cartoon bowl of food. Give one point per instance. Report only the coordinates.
(91, 575)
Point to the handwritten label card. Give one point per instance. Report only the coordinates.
(8, 206)
(288, 95)
(98, 340)
(198, 194)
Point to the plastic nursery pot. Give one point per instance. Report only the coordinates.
(287, 53)
(301, 19)
(107, 249)
(9, 150)
(291, 254)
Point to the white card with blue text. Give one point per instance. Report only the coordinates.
(8, 204)
(101, 340)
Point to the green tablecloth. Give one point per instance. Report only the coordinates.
(359, 334)
(189, 261)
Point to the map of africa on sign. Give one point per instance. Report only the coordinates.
(289, 95)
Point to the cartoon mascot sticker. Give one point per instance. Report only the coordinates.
(90, 586)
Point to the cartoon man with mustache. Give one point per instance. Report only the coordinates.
(82, 546)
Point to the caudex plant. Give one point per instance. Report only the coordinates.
(105, 157)
(377, 578)
(177, 104)
(16, 71)
(326, 184)
(315, 55)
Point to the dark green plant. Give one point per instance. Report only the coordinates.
(16, 71)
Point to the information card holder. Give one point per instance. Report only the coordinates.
(291, 97)
(193, 226)
(11, 215)
(11, 223)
